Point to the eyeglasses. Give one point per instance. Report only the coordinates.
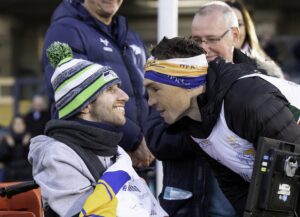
(212, 40)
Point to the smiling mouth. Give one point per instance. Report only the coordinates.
(119, 109)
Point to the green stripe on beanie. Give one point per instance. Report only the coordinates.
(64, 60)
(80, 100)
(66, 82)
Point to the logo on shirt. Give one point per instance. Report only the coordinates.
(245, 153)
(107, 76)
(234, 143)
(130, 187)
(136, 50)
(105, 42)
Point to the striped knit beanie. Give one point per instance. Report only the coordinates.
(76, 82)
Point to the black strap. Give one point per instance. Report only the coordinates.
(90, 159)
(48, 212)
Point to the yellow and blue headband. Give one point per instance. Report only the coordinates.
(187, 73)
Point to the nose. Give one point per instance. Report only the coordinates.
(205, 46)
(122, 95)
(151, 100)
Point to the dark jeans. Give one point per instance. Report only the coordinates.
(218, 204)
(179, 208)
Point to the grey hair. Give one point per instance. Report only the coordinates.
(219, 6)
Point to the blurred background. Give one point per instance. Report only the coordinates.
(23, 24)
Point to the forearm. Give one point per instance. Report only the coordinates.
(168, 142)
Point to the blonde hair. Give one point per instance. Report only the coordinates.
(251, 36)
(256, 52)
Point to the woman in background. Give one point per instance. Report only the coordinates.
(14, 150)
(248, 41)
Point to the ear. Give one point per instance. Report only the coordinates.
(235, 36)
(86, 110)
(196, 91)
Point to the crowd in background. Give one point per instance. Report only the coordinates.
(15, 140)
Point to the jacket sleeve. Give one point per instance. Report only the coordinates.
(107, 206)
(167, 142)
(62, 176)
(132, 135)
(261, 110)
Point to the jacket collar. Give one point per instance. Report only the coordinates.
(240, 57)
(221, 76)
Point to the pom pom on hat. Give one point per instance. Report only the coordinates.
(57, 52)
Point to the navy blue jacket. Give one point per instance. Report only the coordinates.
(115, 46)
(182, 168)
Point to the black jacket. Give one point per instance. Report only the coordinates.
(253, 108)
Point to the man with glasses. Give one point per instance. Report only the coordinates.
(215, 27)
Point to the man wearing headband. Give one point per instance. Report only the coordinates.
(185, 189)
(226, 109)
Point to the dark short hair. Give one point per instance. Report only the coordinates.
(178, 47)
